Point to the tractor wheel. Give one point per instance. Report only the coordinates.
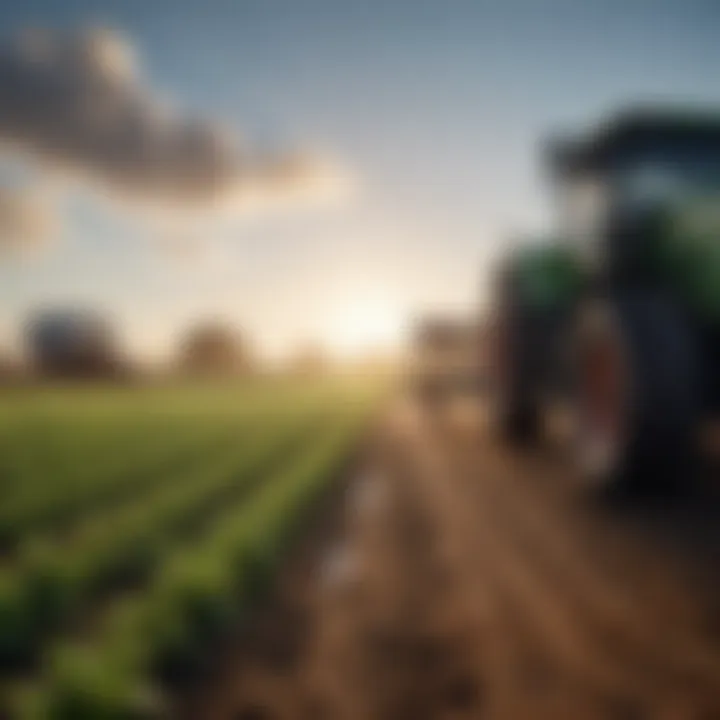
(636, 393)
(515, 414)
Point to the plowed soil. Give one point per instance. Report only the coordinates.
(455, 579)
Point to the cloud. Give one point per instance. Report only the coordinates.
(78, 103)
(27, 221)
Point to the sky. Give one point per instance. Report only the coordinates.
(435, 111)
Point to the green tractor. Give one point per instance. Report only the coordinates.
(619, 316)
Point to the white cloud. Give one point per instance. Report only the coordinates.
(77, 102)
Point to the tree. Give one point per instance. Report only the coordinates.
(74, 343)
(214, 348)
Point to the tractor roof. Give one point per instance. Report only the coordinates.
(632, 132)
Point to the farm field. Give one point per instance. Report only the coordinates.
(137, 525)
(300, 549)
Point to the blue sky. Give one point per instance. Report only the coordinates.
(437, 107)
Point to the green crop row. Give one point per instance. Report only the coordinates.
(61, 499)
(166, 631)
(46, 447)
(30, 452)
(66, 455)
(47, 588)
(57, 494)
(158, 529)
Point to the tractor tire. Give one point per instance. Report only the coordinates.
(636, 393)
(515, 412)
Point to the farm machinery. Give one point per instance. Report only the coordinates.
(617, 318)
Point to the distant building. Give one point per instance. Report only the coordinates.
(73, 344)
(213, 348)
(446, 351)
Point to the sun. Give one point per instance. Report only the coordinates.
(364, 326)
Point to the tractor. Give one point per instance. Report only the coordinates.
(617, 317)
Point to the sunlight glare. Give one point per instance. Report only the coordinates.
(365, 326)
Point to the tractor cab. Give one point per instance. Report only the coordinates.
(641, 175)
(623, 303)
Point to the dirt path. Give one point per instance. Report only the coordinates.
(459, 581)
